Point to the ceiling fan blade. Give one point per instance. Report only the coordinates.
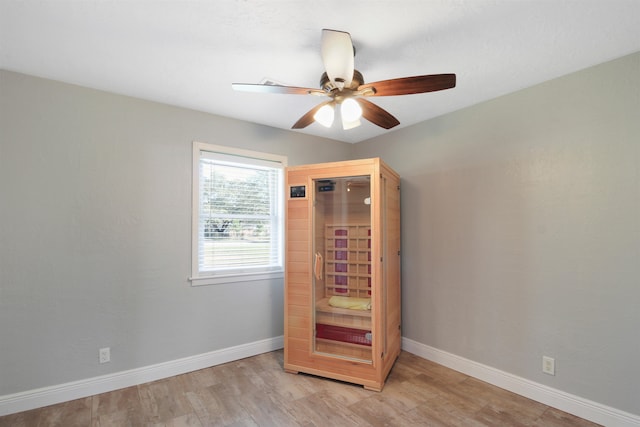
(307, 118)
(376, 115)
(410, 85)
(278, 89)
(337, 55)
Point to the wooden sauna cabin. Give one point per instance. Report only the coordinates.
(342, 274)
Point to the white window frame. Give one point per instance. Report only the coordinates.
(213, 278)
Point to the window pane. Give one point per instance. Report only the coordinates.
(239, 217)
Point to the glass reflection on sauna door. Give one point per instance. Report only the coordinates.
(342, 267)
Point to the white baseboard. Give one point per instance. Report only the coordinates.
(566, 402)
(32, 399)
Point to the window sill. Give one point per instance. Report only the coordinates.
(235, 278)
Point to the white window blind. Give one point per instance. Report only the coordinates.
(239, 216)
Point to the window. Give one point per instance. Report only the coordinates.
(238, 221)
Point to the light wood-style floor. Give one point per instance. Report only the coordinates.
(257, 392)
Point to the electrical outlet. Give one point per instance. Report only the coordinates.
(104, 355)
(548, 365)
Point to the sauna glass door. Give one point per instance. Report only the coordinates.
(342, 279)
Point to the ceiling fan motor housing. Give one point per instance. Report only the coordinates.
(328, 86)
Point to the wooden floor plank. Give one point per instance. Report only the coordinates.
(257, 392)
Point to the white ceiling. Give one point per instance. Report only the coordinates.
(187, 53)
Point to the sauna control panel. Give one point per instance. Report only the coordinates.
(297, 192)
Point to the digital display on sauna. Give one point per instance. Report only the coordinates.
(326, 185)
(298, 191)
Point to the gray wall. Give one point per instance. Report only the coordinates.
(521, 231)
(95, 234)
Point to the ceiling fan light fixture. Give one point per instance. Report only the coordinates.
(350, 110)
(325, 115)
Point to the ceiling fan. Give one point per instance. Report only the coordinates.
(345, 87)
